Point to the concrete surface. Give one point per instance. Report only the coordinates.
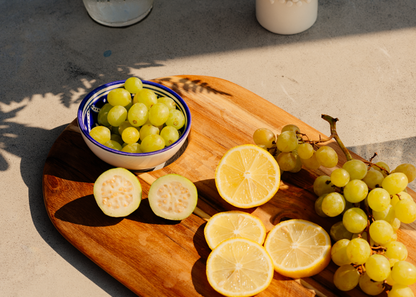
(356, 63)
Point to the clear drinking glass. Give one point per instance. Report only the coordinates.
(118, 13)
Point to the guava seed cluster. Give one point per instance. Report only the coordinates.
(116, 192)
(173, 197)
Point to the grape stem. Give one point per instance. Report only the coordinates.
(332, 122)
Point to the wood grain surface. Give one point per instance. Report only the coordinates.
(156, 257)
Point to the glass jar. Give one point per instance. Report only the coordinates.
(286, 16)
(118, 13)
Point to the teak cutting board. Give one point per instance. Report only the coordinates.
(155, 257)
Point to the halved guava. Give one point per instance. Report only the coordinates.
(173, 197)
(117, 192)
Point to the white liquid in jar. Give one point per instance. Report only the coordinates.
(118, 13)
(286, 16)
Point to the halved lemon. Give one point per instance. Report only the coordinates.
(298, 248)
(247, 176)
(239, 267)
(232, 224)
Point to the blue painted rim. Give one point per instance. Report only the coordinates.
(86, 119)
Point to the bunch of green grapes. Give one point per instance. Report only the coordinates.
(371, 202)
(292, 151)
(373, 272)
(135, 120)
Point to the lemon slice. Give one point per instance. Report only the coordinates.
(298, 248)
(247, 176)
(232, 224)
(239, 267)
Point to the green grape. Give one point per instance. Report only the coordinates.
(133, 85)
(396, 250)
(169, 134)
(384, 166)
(290, 127)
(312, 163)
(318, 206)
(395, 182)
(128, 106)
(145, 96)
(117, 115)
(138, 115)
(362, 235)
(355, 220)
(130, 135)
(287, 141)
(408, 169)
(381, 232)
(113, 145)
(102, 115)
(169, 102)
(132, 148)
(322, 185)
(117, 138)
(333, 204)
(400, 291)
(119, 96)
(159, 127)
(373, 178)
(400, 196)
(286, 161)
(298, 164)
(339, 252)
(387, 214)
(358, 251)
(395, 224)
(158, 114)
(305, 150)
(405, 211)
(114, 130)
(327, 156)
(146, 130)
(123, 126)
(346, 278)
(369, 286)
(348, 205)
(377, 267)
(356, 168)
(152, 142)
(338, 232)
(340, 177)
(378, 199)
(100, 134)
(264, 137)
(404, 273)
(389, 279)
(176, 119)
(355, 191)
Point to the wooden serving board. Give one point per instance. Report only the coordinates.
(155, 257)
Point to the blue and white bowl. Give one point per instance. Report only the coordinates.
(87, 119)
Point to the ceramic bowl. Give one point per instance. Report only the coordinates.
(87, 119)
